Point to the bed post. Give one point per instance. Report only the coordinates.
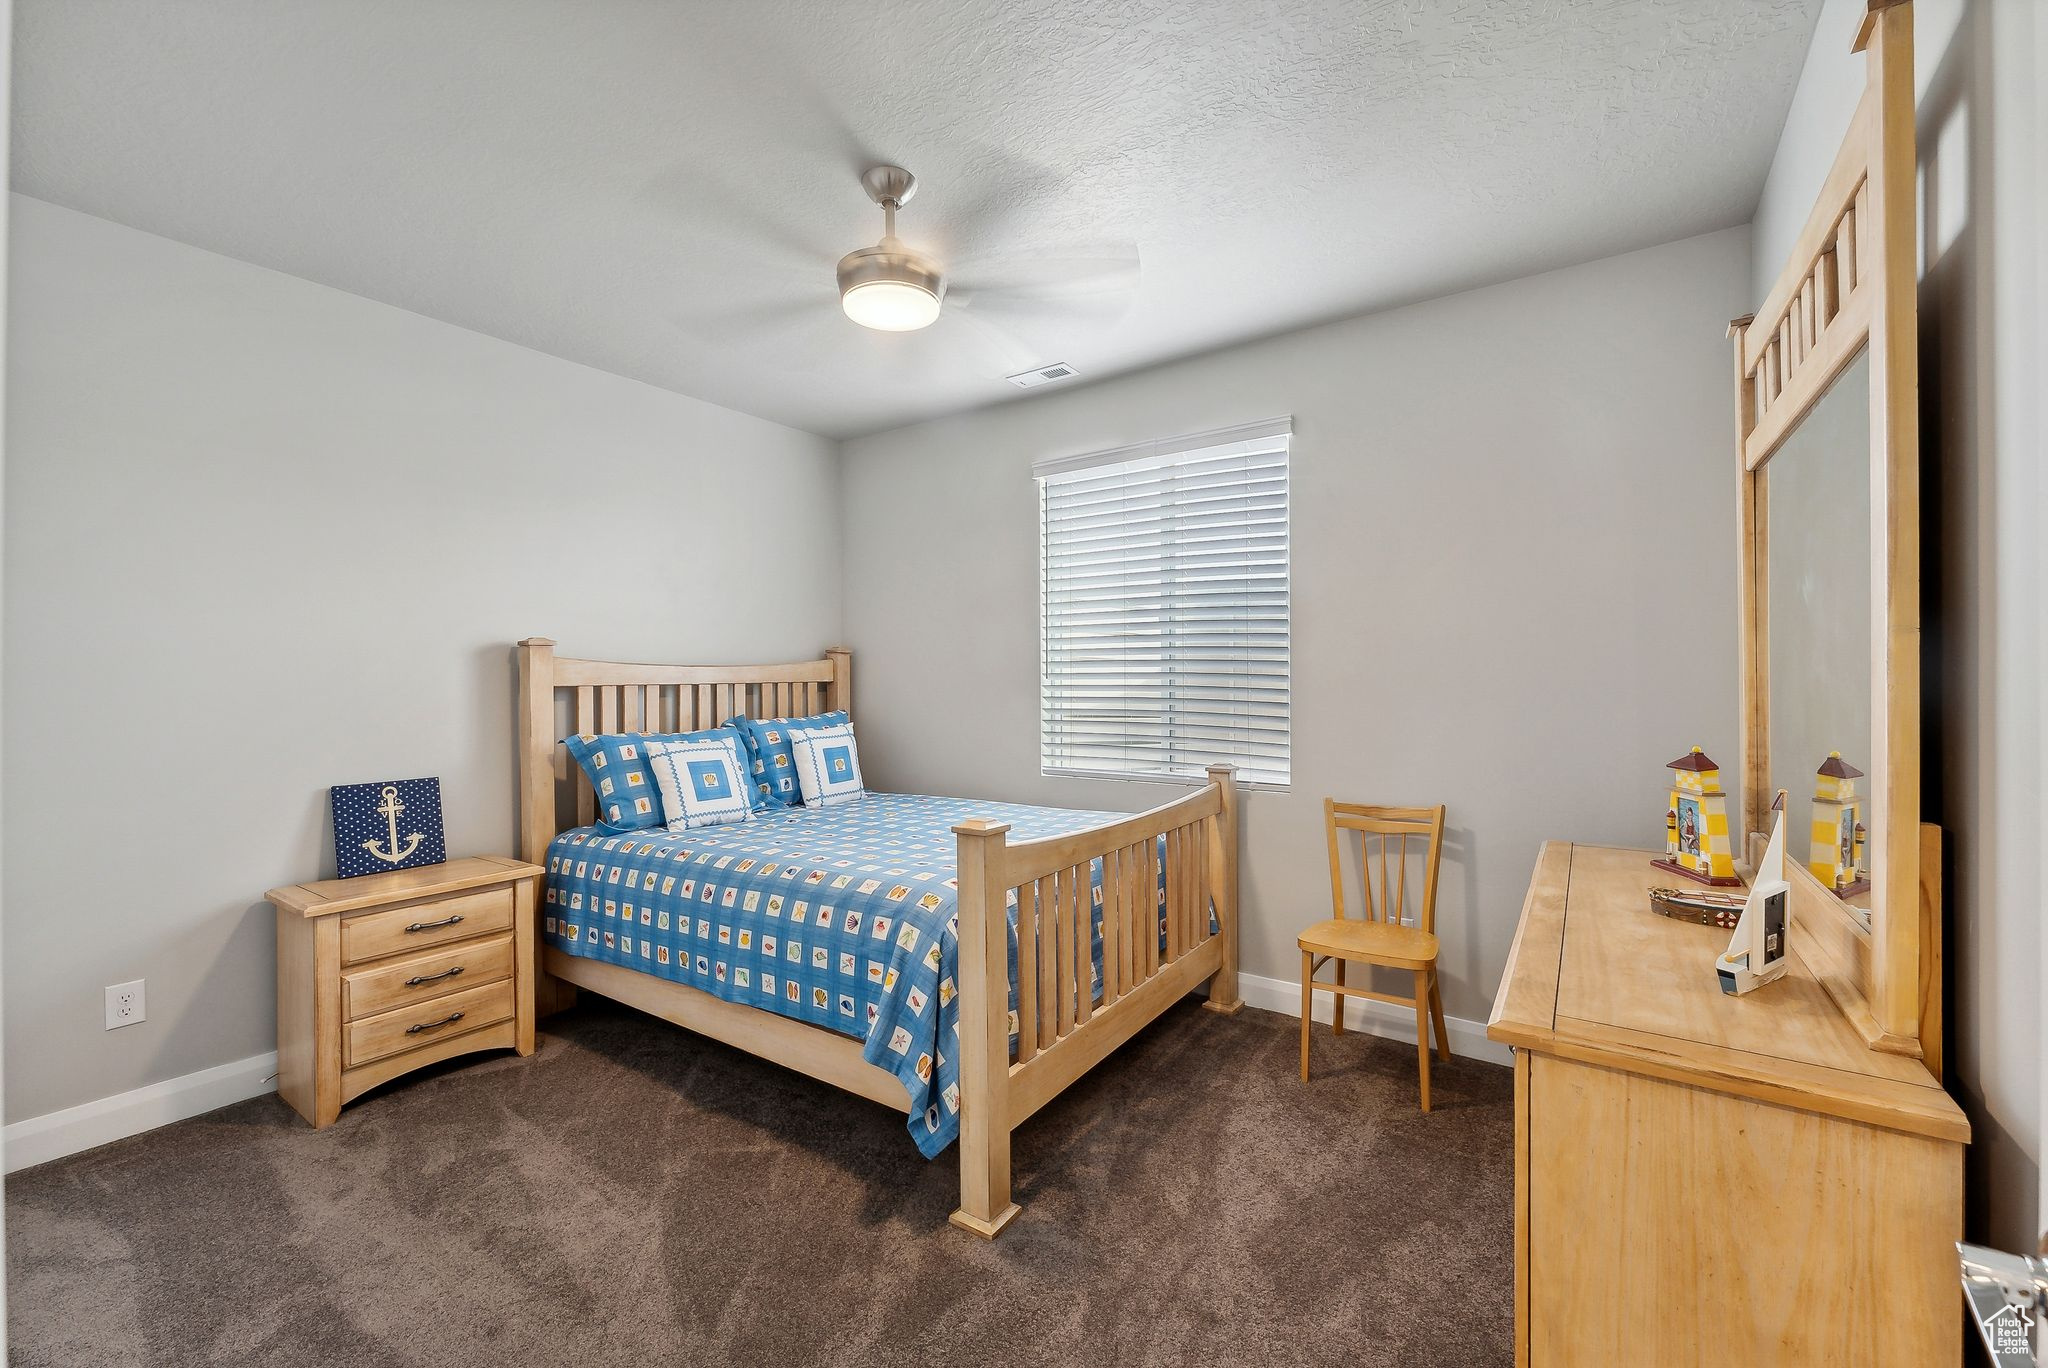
(537, 741)
(536, 748)
(840, 698)
(1223, 878)
(984, 968)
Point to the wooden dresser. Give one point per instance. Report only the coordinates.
(382, 974)
(1704, 1179)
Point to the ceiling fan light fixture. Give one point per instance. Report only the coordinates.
(890, 306)
(890, 288)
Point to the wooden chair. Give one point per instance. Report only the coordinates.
(1383, 935)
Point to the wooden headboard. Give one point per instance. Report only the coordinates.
(559, 697)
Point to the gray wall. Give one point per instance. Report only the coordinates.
(1513, 592)
(262, 537)
(1978, 69)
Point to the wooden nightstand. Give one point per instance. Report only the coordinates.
(381, 974)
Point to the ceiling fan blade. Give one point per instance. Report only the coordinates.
(721, 325)
(793, 336)
(759, 54)
(990, 200)
(999, 350)
(714, 202)
(718, 220)
(1098, 283)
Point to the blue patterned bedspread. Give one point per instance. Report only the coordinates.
(841, 917)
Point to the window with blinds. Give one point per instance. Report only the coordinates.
(1164, 593)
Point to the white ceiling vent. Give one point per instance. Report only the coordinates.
(1044, 375)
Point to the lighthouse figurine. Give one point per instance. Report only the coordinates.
(1696, 844)
(1756, 952)
(1836, 853)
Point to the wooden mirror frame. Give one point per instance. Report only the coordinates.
(1850, 282)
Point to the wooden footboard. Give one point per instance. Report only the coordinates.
(1063, 1028)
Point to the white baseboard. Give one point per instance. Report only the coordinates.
(40, 1139)
(1468, 1038)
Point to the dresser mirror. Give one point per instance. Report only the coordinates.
(1819, 634)
(1828, 507)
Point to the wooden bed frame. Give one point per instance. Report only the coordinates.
(1062, 1032)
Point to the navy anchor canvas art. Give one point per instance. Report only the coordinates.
(395, 824)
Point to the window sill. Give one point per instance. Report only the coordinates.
(1176, 780)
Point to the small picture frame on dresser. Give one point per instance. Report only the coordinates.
(387, 825)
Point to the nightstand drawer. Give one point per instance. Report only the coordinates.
(420, 978)
(427, 1022)
(373, 935)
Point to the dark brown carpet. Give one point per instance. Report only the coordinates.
(634, 1194)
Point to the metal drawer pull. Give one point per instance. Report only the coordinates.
(430, 1025)
(433, 926)
(417, 979)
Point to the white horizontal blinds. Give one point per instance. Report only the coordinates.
(1165, 602)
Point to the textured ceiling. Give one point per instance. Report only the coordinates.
(661, 189)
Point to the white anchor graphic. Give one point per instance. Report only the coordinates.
(390, 808)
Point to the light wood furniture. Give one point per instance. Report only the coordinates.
(382, 974)
(1062, 1030)
(1704, 1179)
(1850, 284)
(1382, 937)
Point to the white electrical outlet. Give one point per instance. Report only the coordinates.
(125, 1004)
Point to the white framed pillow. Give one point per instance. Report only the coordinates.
(827, 765)
(702, 783)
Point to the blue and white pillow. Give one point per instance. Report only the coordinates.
(827, 765)
(770, 758)
(702, 783)
(627, 799)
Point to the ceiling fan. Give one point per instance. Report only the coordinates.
(894, 287)
(890, 287)
(1008, 312)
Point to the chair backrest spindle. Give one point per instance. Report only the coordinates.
(1383, 842)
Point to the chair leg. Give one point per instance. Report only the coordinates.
(1422, 1030)
(1308, 1007)
(1337, 1004)
(1436, 1009)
